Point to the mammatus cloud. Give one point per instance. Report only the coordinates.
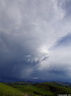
(30, 32)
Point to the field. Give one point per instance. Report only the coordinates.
(28, 89)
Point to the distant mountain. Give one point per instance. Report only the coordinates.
(12, 79)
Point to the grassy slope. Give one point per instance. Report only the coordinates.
(54, 88)
(33, 90)
(6, 90)
(48, 89)
(42, 89)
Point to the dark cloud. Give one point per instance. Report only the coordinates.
(28, 32)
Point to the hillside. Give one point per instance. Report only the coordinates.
(55, 88)
(40, 89)
(6, 90)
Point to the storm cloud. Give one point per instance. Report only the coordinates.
(35, 39)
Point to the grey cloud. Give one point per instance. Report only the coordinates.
(30, 28)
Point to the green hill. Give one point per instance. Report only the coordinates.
(6, 90)
(55, 88)
(41, 89)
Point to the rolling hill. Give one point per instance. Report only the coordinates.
(29, 89)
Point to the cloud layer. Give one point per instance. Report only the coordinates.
(35, 39)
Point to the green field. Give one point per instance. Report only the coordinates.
(6, 90)
(41, 89)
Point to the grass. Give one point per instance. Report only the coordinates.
(34, 90)
(6, 90)
(41, 89)
(54, 88)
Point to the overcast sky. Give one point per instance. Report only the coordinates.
(35, 39)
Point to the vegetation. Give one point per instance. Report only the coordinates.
(6, 90)
(41, 89)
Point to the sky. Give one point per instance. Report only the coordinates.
(35, 39)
